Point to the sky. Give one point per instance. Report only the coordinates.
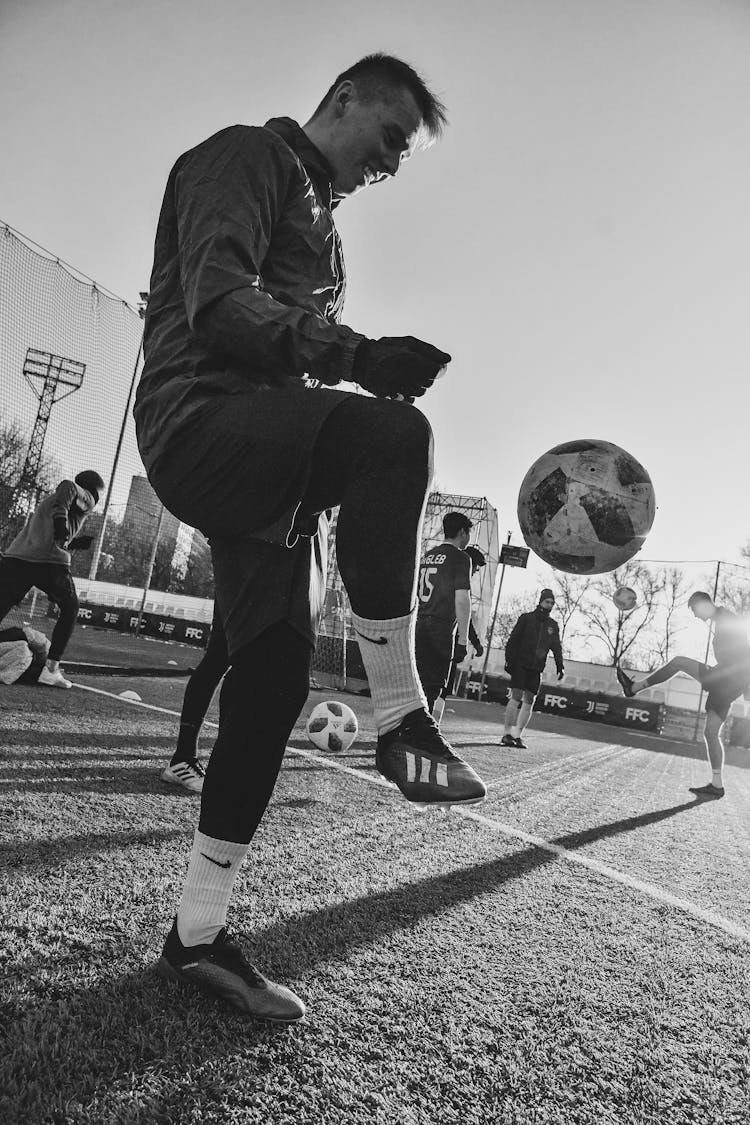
(578, 241)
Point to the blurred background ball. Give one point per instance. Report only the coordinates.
(625, 598)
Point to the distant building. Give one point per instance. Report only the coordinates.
(142, 514)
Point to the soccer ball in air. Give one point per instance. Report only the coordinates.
(332, 727)
(586, 506)
(625, 598)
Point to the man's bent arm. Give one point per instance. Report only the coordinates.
(463, 616)
(228, 196)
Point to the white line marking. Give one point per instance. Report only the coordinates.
(650, 890)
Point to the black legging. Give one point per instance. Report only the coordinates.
(373, 459)
(199, 692)
(17, 576)
(261, 698)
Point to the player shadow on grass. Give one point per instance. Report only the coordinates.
(104, 776)
(28, 856)
(76, 1052)
(55, 741)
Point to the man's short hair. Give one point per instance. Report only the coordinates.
(477, 557)
(453, 522)
(375, 75)
(91, 481)
(697, 597)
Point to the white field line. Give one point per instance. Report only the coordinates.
(602, 753)
(650, 890)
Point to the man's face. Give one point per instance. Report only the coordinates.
(547, 605)
(463, 539)
(372, 138)
(702, 610)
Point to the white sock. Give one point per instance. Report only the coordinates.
(523, 717)
(717, 778)
(515, 732)
(387, 649)
(214, 866)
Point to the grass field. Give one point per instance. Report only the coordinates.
(90, 645)
(575, 950)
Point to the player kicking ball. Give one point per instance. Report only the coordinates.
(246, 435)
(726, 681)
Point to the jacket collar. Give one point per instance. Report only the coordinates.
(316, 165)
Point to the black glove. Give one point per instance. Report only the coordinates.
(81, 543)
(61, 530)
(478, 649)
(459, 653)
(397, 365)
(560, 673)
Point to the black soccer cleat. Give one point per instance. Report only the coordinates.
(417, 759)
(519, 744)
(708, 792)
(220, 968)
(508, 740)
(625, 682)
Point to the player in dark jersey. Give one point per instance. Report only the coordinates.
(478, 560)
(723, 682)
(444, 609)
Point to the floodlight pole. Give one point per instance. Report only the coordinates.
(59, 377)
(492, 627)
(708, 653)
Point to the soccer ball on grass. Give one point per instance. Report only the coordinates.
(332, 727)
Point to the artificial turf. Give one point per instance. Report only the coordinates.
(452, 972)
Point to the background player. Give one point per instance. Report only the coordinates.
(239, 440)
(40, 556)
(726, 681)
(444, 606)
(477, 560)
(534, 635)
(185, 767)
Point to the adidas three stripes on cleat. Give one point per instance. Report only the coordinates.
(417, 759)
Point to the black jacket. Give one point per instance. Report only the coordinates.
(534, 635)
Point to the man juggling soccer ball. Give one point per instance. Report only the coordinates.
(726, 681)
(40, 556)
(246, 435)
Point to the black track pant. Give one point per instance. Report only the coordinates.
(261, 697)
(373, 459)
(199, 692)
(17, 576)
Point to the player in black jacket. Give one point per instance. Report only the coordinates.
(534, 635)
(726, 681)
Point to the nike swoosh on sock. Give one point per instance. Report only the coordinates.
(372, 640)
(216, 861)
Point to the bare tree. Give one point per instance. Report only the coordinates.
(571, 591)
(675, 588)
(733, 590)
(621, 633)
(509, 610)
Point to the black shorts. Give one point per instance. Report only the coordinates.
(237, 472)
(525, 679)
(434, 652)
(723, 686)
